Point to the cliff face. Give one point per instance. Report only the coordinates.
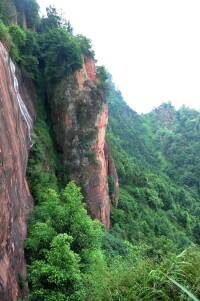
(80, 116)
(16, 123)
(112, 172)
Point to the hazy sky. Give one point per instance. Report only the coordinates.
(151, 47)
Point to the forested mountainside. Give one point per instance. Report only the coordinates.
(111, 208)
(156, 156)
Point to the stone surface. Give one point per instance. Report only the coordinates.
(87, 73)
(80, 116)
(111, 171)
(90, 69)
(15, 198)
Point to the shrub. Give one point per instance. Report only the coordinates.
(61, 54)
(18, 39)
(85, 45)
(5, 36)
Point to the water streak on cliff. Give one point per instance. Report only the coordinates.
(23, 109)
(15, 198)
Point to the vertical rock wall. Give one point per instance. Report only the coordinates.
(16, 122)
(80, 116)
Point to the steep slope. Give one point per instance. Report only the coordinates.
(176, 135)
(153, 207)
(21, 12)
(80, 114)
(79, 123)
(158, 204)
(16, 124)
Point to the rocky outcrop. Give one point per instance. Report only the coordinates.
(86, 74)
(24, 20)
(80, 116)
(16, 122)
(112, 173)
(90, 70)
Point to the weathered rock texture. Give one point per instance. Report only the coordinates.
(15, 198)
(80, 116)
(112, 172)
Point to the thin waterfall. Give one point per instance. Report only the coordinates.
(22, 106)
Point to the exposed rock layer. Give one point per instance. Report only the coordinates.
(15, 198)
(112, 172)
(80, 116)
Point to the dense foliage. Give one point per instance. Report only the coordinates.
(52, 50)
(154, 200)
(7, 11)
(69, 255)
(62, 247)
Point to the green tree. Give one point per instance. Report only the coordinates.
(8, 12)
(18, 35)
(53, 20)
(18, 39)
(5, 37)
(58, 276)
(85, 46)
(63, 247)
(86, 233)
(30, 54)
(60, 53)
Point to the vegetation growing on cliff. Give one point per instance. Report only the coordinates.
(52, 49)
(155, 201)
(69, 255)
(63, 247)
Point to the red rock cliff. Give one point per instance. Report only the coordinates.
(80, 115)
(16, 122)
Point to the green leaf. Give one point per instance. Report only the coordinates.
(184, 289)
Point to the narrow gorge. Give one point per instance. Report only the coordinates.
(79, 115)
